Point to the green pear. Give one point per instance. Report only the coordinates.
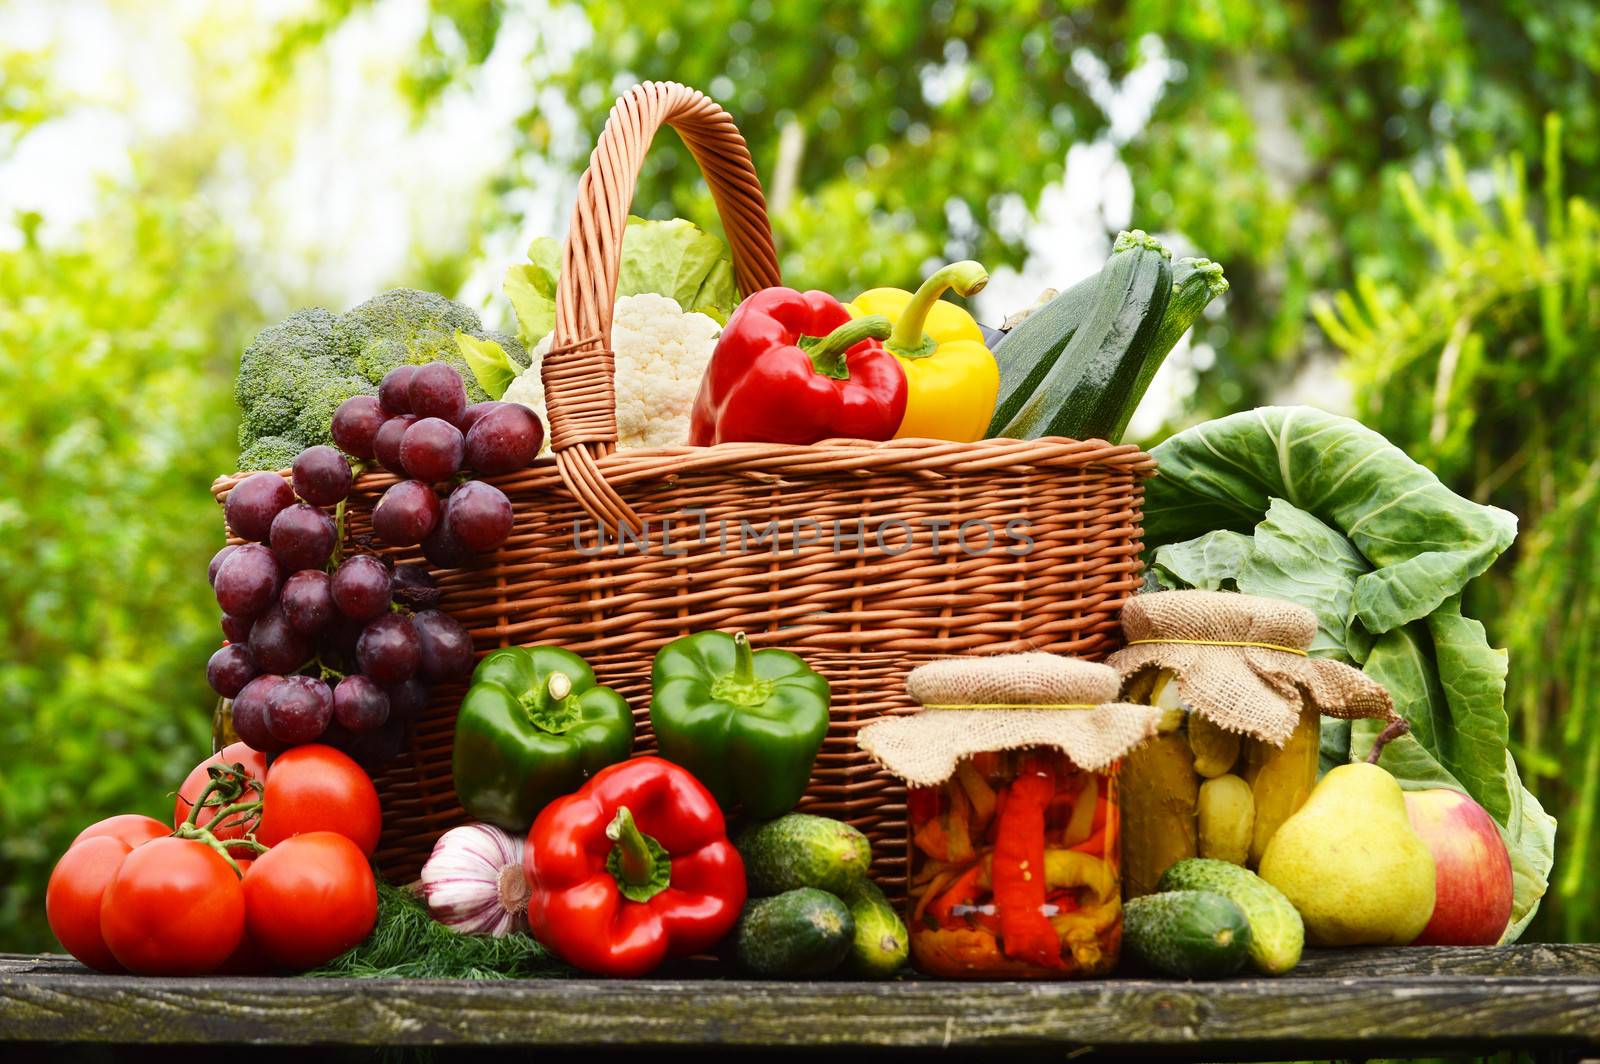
(1351, 863)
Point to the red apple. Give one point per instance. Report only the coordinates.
(1473, 883)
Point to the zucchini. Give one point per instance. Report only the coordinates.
(1277, 934)
(1196, 934)
(1084, 392)
(1195, 283)
(1026, 351)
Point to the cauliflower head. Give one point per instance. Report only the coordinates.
(661, 354)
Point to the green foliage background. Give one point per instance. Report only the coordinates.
(1310, 147)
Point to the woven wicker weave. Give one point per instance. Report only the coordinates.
(863, 616)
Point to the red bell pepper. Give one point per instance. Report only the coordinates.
(794, 367)
(1019, 874)
(633, 868)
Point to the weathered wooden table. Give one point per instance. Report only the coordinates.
(1363, 1003)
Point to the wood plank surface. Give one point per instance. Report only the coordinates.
(1524, 997)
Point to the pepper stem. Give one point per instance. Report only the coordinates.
(554, 711)
(742, 686)
(634, 859)
(744, 659)
(640, 864)
(909, 338)
(828, 352)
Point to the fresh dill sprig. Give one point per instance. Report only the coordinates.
(408, 943)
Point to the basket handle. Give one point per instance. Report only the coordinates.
(578, 370)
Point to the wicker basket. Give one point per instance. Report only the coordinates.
(862, 615)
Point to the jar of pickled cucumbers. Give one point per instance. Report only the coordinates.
(1241, 702)
(1013, 819)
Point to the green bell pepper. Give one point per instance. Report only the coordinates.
(533, 726)
(747, 723)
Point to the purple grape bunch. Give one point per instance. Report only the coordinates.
(328, 646)
(321, 650)
(420, 427)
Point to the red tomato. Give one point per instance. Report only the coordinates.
(255, 765)
(310, 898)
(135, 829)
(72, 900)
(318, 788)
(248, 957)
(174, 907)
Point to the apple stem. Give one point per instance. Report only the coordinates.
(1396, 728)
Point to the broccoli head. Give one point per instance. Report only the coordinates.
(270, 453)
(294, 375)
(284, 366)
(407, 326)
(315, 418)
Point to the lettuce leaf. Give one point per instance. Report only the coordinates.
(1377, 540)
(532, 290)
(489, 362)
(674, 258)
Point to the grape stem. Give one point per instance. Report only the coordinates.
(337, 556)
(356, 469)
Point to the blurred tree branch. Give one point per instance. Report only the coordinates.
(908, 108)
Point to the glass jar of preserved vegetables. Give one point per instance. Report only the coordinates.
(1236, 750)
(1013, 821)
(1013, 869)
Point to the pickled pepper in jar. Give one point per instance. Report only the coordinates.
(1013, 820)
(1013, 869)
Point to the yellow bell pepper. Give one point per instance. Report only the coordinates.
(952, 380)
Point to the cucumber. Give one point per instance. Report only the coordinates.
(1027, 351)
(1277, 934)
(881, 943)
(801, 932)
(801, 850)
(1196, 934)
(1195, 283)
(1084, 393)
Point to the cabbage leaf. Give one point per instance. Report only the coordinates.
(1298, 504)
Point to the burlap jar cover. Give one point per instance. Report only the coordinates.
(1241, 661)
(978, 705)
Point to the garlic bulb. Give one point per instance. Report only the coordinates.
(474, 882)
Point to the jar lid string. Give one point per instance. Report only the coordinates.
(1217, 643)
